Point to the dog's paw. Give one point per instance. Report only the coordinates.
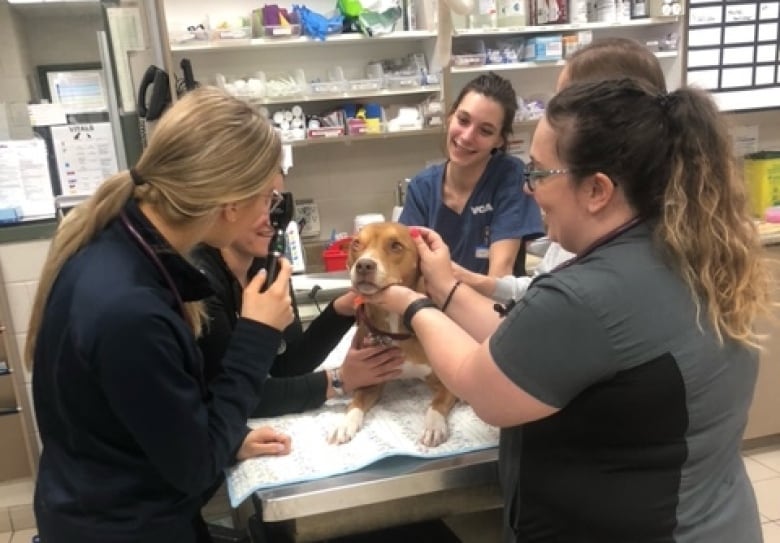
(347, 428)
(436, 429)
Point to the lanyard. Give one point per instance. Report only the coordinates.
(603, 240)
(504, 309)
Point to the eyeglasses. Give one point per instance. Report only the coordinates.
(532, 177)
(273, 200)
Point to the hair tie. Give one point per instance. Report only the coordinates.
(136, 177)
(665, 100)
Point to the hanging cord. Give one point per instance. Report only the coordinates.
(313, 296)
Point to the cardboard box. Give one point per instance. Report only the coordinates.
(543, 48)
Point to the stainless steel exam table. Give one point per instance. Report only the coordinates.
(392, 492)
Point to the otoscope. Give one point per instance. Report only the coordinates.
(280, 218)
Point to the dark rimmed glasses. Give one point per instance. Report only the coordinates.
(532, 177)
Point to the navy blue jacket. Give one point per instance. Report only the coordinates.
(133, 437)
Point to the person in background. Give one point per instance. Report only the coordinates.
(606, 58)
(293, 386)
(622, 380)
(133, 435)
(472, 199)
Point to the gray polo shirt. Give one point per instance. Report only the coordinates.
(646, 447)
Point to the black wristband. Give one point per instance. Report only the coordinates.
(448, 299)
(413, 308)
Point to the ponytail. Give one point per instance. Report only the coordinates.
(705, 226)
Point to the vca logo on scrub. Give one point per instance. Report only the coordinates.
(480, 210)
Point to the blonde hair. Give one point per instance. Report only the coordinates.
(673, 158)
(207, 150)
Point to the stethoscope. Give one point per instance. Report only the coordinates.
(504, 309)
(157, 264)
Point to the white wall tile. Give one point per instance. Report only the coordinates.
(23, 261)
(19, 303)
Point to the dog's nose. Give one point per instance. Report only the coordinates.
(365, 265)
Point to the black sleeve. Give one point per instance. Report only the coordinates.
(285, 395)
(215, 337)
(311, 348)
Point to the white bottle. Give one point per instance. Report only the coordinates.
(512, 13)
(485, 14)
(578, 11)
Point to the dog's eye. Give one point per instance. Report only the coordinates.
(397, 246)
(355, 245)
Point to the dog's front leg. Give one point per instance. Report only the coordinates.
(362, 401)
(436, 429)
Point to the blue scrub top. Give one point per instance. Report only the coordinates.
(497, 209)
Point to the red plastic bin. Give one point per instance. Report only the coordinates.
(335, 255)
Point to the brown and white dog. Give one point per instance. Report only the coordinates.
(384, 254)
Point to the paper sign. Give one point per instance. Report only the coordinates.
(46, 114)
(85, 156)
(745, 139)
(24, 178)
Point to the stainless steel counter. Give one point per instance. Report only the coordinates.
(394, 491)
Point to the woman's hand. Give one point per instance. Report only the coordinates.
(435, 262)
(274, 306)
(345, 304)
(395, 298)
(368, 364)
(263, 441)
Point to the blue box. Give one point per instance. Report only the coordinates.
(542, 48)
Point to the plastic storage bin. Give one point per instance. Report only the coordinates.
(335, 255)
(762, 175)
(279, 31)
(328, 87)
(402, 81)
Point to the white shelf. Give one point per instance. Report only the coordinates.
(504, 31)
(301, 41)
(529, 65)
(367, 137)
(505, 67)
(425, 89)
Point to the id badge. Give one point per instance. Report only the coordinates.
(482, 252)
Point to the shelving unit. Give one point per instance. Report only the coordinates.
(239, 58)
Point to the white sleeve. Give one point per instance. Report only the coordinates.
(554, 256)
(510, 287)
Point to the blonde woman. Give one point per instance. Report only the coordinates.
(133, 437)
(621, 381)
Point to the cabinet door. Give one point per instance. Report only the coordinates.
(13, 451)
(763, 419)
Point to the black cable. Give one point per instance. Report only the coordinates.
(313, 296)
